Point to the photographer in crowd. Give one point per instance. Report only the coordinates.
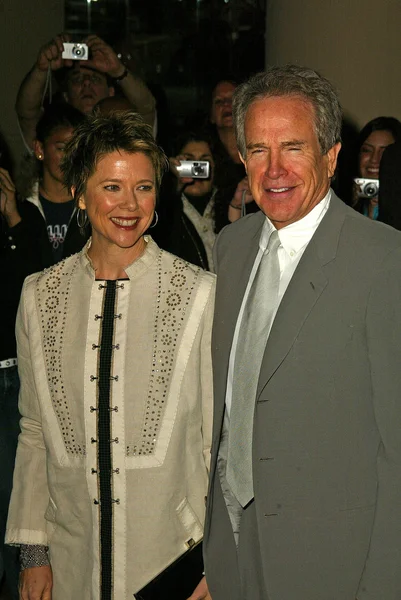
(83, 82)
(372, 142)
(187, 204)
(390, 185)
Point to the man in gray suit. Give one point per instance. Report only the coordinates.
(305, 482)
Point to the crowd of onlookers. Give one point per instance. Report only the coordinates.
(40, 224)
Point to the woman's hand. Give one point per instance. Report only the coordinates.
(36, 583)
(8, 201)
(201, 591)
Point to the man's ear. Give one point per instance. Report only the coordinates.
(112, 91)
(242, 159)
(38, 149)
(332, 156)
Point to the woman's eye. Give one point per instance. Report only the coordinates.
(146, 188)
(111, 188)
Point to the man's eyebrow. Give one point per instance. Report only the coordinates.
(292, 143)
(256, 145)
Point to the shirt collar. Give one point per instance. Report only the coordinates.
(295, 236)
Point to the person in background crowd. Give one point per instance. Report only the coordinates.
(116, 392)
(305, 476)
(390, 186)
(372, 141)
(221, 116)
(229, 169)
(233, 196)
(186, 210)
(190, 211)
(49, 192)
(24, 249)
(83, 84)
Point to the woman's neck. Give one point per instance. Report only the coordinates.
(227, 138)
(53, 190)
(110, 261)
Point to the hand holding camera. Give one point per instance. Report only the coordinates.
(62, 52)
(188, 170)
(52, 54)
(103, 58)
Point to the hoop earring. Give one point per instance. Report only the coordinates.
(156, 221)
(82, 220)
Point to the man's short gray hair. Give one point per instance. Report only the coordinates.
(291, 80)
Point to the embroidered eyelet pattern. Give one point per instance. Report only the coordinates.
(52, 300)
(174, 294)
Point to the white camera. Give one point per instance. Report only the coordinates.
(197, 169)
(75, 51)
(368, 188)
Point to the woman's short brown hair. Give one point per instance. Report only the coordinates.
(99, 135)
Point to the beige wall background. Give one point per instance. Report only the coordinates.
(354, 43)
(24, 26)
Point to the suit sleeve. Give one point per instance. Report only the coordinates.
(30, 496)
(382, 574)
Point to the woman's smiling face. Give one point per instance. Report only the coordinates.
(120, 199)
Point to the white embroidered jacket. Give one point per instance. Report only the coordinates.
(160, 407)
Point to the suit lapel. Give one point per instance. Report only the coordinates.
(304, 289)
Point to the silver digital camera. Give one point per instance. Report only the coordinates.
(196, 169)
(368, 188)
(75, 51)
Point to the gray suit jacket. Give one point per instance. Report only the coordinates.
(327, 427)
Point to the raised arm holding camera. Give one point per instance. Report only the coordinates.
(87, 81)
(187, 201)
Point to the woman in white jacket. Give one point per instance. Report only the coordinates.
(116, 393)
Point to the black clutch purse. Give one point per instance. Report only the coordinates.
(178, 580)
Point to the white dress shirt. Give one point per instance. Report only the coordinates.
(294, 238)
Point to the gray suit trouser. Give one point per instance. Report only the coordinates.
(245, 532)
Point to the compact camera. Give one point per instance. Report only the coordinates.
(368, 188)
(75, 51)
(196, 169)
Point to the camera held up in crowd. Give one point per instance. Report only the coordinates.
(368, 188)
(73, 51)
(197, 169)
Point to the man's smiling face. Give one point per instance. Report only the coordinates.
(287, 172)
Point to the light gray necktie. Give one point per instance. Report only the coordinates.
(254, 330)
